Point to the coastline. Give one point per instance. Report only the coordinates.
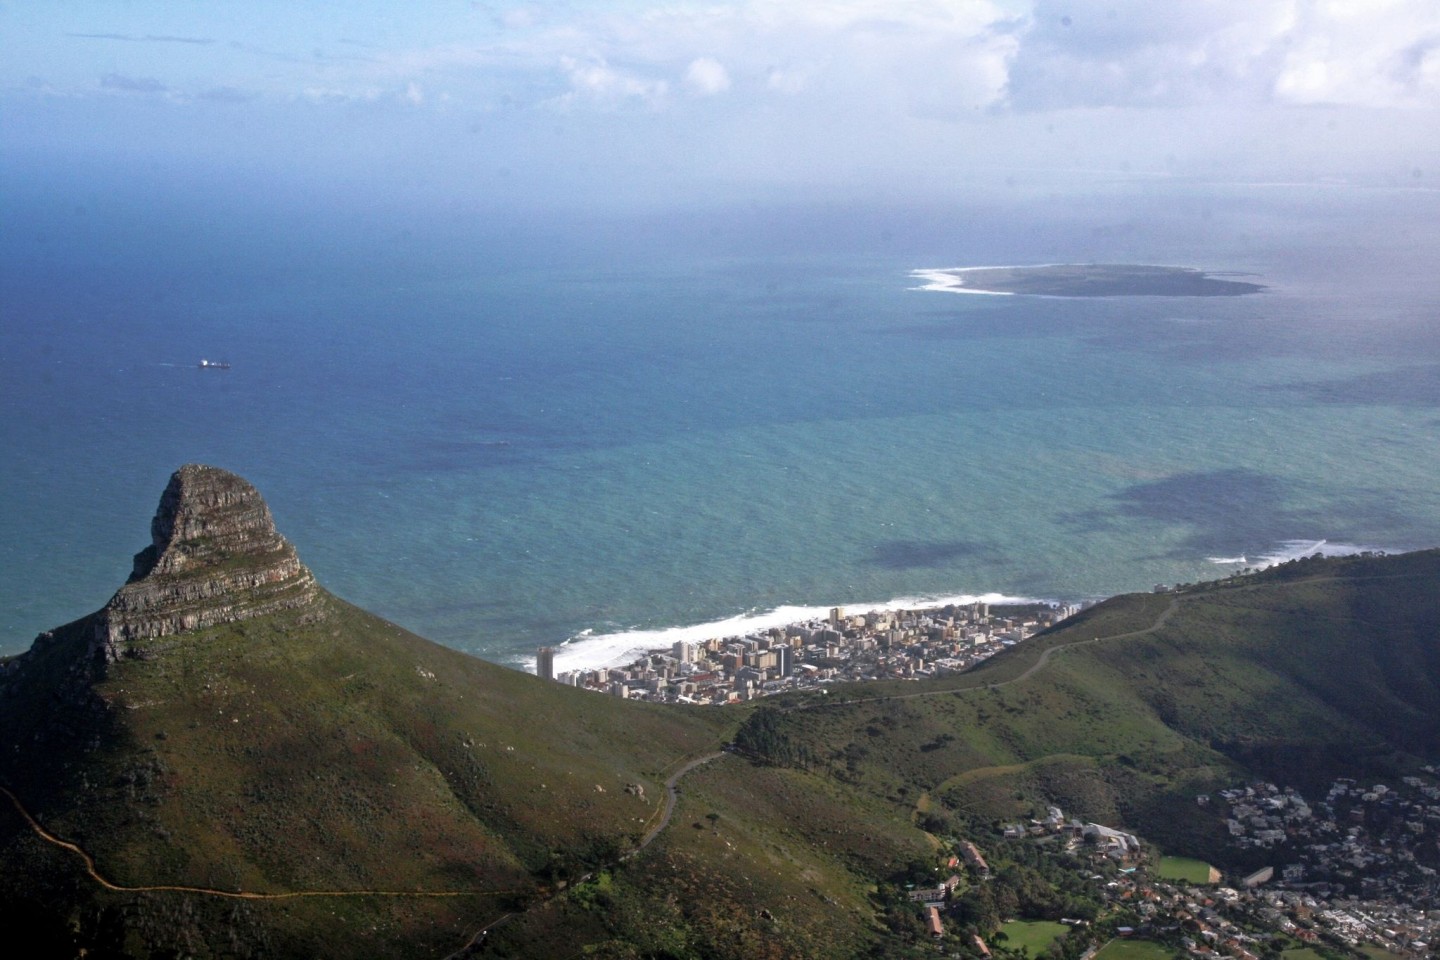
(591, 651)
(947, 280)
(1086, 280)
(1287, 550)
(845, 646)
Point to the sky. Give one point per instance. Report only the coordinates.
(635, 102)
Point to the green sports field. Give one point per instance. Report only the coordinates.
(1135, 950)
(1034, 935)
(1184, 869)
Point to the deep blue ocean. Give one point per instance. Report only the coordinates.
(507, 429)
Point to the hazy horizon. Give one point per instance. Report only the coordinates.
(601, 316)
(648, 106)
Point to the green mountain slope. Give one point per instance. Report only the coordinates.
(313, 750)
(244, 765)
(1317, 669)
(1310, 671)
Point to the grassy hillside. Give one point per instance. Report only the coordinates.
(1122, 716)
(1309, 671)
(344, 756)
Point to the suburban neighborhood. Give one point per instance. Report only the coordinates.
(1364, 893)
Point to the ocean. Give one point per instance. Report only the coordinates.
(539, 428)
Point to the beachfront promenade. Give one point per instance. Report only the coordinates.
(876, 645)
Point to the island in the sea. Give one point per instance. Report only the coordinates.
(1085, 280)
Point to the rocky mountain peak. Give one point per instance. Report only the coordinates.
(214, 557)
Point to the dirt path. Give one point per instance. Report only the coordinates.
(667, 810)
(108, 884)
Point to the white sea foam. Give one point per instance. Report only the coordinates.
(1288, 550)
(1296, 549)
(950, 281)
(589, 650)
(592, 651)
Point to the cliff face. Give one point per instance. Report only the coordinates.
(215, 557)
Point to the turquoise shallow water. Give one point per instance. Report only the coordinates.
(498, 445)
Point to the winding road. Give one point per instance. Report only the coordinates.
(668, 809)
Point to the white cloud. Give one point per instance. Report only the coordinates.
(879, 91)
(707, 77)
(928, 58)
(1373, 54)
(1126, 53)
(855, 55)
(790, 81)
(595, 81)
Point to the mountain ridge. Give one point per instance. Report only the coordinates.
(303, 745)
(214, 557)
(306, 779)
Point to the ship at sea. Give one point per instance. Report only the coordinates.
(214, 364)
